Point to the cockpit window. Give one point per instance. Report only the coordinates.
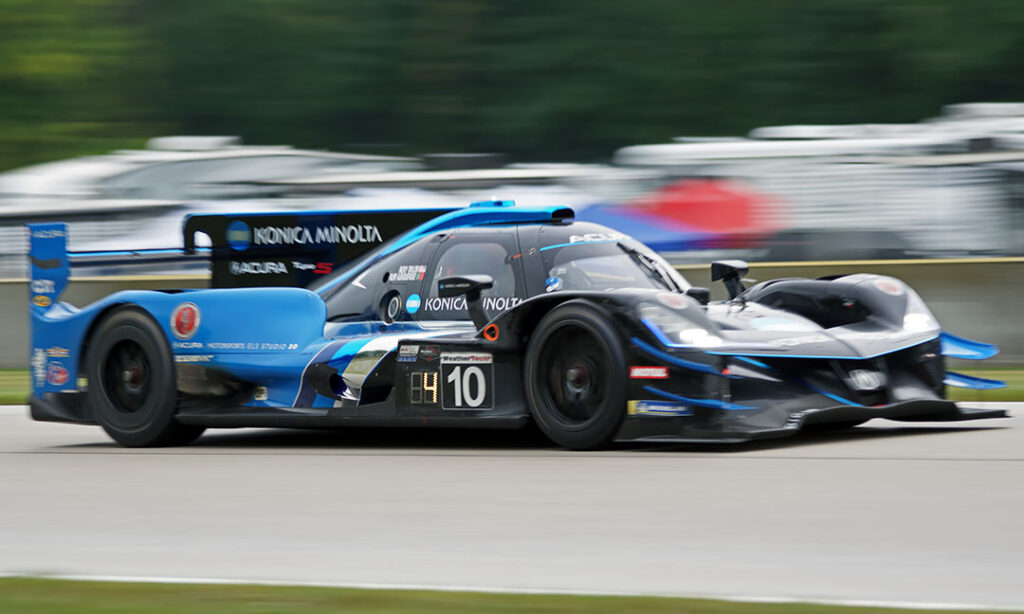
(478, 258)
(608, 265)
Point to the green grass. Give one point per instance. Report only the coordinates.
(1014, 390)
(45, 596)
(14, 386)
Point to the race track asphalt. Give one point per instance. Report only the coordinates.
(885, 512)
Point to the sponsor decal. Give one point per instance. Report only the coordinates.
(455, 285)
(43, 286)
(412, 304)
(48, 234)
(429, 352)
(648, 372)
(252, 346)
(220, 345)
(258, 268)
(41, 301)
(56, 374)
(319, 268)
(185, 320)
(862, 379)
(552, 284)
(259, 393)
(38, 364)
(458, 303)
(675, 301)
(792, 341)
(409, 272)
(186, 345)
(299, 235)
(596, 236)
(57, 352)
(657, 408)
(408, 353)
(466, 358)
(239, 236)
(193, 358)
(889, 286)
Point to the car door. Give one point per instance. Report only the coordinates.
(474, 251)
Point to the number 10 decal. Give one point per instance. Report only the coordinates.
(468, 381)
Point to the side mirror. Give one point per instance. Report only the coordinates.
(471, 286)
(703, 295)
(731, 273)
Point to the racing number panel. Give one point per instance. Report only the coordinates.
(457, 379)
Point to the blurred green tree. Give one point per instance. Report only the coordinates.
(539, 79)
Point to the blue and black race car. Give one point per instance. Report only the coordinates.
(487, 316)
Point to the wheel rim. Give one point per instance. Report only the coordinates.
(127, 376)
(575, 370)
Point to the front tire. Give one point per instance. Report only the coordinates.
(575, 376)
(131, 382)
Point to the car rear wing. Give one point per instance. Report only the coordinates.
(50, 262)
(291, 249)
(246, 250)
(294, 248)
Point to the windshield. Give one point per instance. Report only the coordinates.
(608, 265)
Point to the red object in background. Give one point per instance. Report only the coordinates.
(711, 205)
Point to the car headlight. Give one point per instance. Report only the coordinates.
(918, 318)
(674, 330)
(699, 337)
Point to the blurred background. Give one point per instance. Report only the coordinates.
(773, 131)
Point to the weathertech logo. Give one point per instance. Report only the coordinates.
(292, 235)
(185, 320)
(648, 372)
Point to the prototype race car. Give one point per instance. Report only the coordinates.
(487, 316)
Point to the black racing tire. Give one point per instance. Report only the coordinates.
(575, 376)
(132, 391)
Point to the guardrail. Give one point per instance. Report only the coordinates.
(979, 298)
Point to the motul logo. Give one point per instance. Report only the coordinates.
(648, 372)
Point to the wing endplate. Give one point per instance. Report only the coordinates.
(959, 380)
(967, 349)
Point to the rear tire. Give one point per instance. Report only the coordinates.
(575, 376)
(132, 391)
